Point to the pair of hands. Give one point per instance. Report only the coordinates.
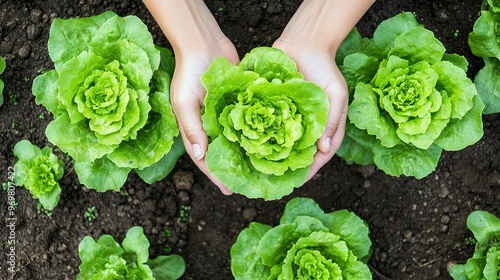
(317, 64)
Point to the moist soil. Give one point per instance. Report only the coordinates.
(418, 227)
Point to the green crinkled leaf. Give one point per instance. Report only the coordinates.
(101, 175)
(270, 64)
(407, 160)
(365, 114)
(159, 170)
(387, 31)
(356, 146)
(353, 43)
(45, 91)
(223, 155)
(418, 44)
(70, 37)
(246, 264)
(487, 83)
(167, 267)
(484, 38)
(460, 133)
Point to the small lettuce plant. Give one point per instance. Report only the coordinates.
(263, 120)
(2, 68)
(484, 41)
(307, 244)
(485, 262)
(105, 259)
(409, 99)
(109, 95)
(39, 171)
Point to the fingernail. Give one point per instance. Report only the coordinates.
(327, 143)
(197, 151)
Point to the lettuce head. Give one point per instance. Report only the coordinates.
(263, 120)
(109, 95)
(307, 244)
(410, 100)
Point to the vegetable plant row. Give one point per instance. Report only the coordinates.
(109, 95)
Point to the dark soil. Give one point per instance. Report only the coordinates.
(417, 226)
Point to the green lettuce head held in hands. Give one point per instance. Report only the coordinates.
(263, 120)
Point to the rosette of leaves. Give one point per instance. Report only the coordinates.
(109, 94)
(485, 261)
(39, 171)
(484, 41)
(409, 99)
(2, 68)
(307, 244)
(105, 259)
(263, 120)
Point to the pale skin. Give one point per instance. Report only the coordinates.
(311, 39)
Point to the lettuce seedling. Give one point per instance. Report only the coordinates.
(484, 41)
(307, 244)
(39, 171)
(109, 94)
(409, 99)
(2, 68)
(105, 259)
(485, 262)
(263, 120)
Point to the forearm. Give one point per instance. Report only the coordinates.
(187, 24)
(324, 23)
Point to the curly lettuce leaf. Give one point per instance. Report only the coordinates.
(487, 82)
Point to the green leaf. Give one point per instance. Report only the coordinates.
(246, 264)
(353, 43)
(460, 133)
(407, 160)
(487, 82)
(45, 91)
(76, 139)
(484, 38)
(483, 224)
(223, 155)
(167, 267)
(70, 37)
(159, 170)
(137, 244)
(418, 44)
(101, 175)
(386, 33)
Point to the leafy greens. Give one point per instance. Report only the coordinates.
(307, 244)
(485, 262)
(263, 120)
(409, 99)
(109, 94)
(39, 171)
(484, 41)
(105, 259)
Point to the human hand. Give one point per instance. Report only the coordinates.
(187, 95)
(317, 65)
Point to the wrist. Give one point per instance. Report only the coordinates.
(188, 25)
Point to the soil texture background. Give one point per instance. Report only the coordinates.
(417, 226)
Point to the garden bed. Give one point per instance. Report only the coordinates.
(417, 226)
